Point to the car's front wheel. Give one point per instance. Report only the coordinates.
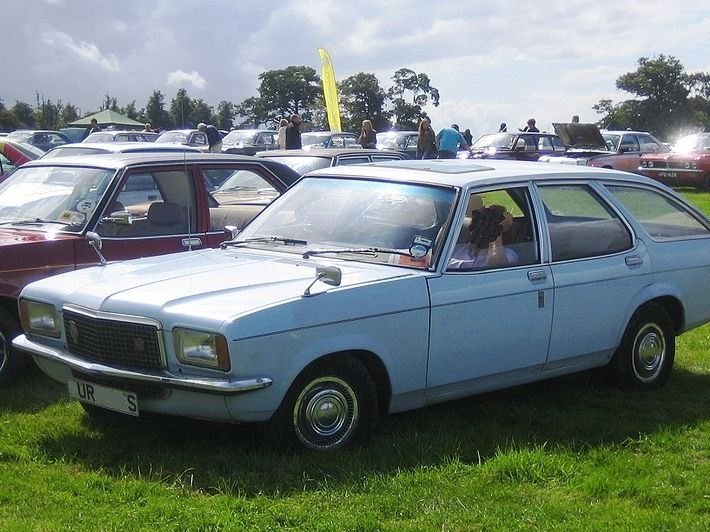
(644, 359)
(329, 406)
(11, 362)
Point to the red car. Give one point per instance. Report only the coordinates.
(688, 163)
(55, 213)
(14, 154)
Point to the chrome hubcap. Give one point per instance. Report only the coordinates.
(649, 353)
(326, 413)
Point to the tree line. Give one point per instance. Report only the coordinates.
(668, 101)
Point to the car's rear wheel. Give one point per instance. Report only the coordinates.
(11, 361)
(329, 406)
(644, 359)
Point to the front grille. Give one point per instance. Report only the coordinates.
(113, 341)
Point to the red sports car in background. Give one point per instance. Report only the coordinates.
(14, 154)
(688, 163)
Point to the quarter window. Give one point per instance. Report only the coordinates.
(661, 216)
(581, 224)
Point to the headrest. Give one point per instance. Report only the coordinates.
(165, 214)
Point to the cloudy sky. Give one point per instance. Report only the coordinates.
(492, 62)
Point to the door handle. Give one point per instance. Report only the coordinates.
(191, 242)
(633, 260)
(537, 275)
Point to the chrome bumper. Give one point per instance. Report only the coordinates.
(205, 385)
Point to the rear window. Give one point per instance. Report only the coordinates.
(661, 216)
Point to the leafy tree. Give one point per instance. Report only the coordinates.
(130, 111)
(295, 89)
(155, 112)
(110, 103)
(68, 114)
(181, 109)
(25, 115)
(408, 111)
(201, 112)
(361, 97)
(225, 115)
(47, 113)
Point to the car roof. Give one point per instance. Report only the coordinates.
(326, 133)
(119, 160)
(463, 173)
(322, 152)
(116, 147)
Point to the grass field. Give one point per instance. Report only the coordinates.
(568, 454)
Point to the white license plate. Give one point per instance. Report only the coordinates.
(103, 396)
(667, 174)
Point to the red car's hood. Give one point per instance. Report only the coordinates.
(10, 235)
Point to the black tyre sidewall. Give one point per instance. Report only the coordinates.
(623, 361)
(281, 427)
(12, 362)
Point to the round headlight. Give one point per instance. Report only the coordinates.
(694, 165)
(650, 164)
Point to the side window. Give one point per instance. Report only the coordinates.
(581, 224)
(154, 204)
(629, 144)
(355, 159)
(497, 232)
(648, 144)
(123, 138)
(412, 141)
(350, 142)
(337, 142)
(199, 138)
(661, 216)
(557, 144)
(544, 144)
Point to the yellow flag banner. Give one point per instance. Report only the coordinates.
(330, 91)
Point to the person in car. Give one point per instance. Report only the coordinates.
(485, 248)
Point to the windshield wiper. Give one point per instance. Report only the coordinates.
(34, 221)
(257, 239)
(372, 251)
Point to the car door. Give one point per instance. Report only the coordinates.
(595, 265)
(153, 211)
(490, 325)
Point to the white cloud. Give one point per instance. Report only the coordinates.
(85, 50)
(179, 78)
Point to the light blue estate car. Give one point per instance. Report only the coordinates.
(371, 289)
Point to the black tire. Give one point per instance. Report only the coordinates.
(644, 359)
(329, 406)
(12, 362)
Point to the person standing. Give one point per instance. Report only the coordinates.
(214, 137)
(426, 142)
(449, 140)
(293, 133)
(575, 119)
(282, 134)
(368, 136)
(503, 127)
(468, 137)
(93, 128)
(148, 128)
(531, 127)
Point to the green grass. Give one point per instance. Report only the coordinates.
(567, 454)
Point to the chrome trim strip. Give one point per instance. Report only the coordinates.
(140, 320)
(203, 384)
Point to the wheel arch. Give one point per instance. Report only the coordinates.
(374, 366)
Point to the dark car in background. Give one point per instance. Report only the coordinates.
(249, 141)
(401, 141)
(688, 163)
(329, 139)
(304, 161)
(519, 146)
(40, 138)
(136, 205)
(122, 136)
(588, 146)
(75, 134)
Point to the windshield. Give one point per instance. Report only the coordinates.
(239, 136)
(499, 140)
(356, 214)
(612, 141)
(172, 136)
(692, 143)
(63, 194)
(303, 165)
(311, 139)
(392, 140)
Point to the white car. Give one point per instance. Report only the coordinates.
(371, 289)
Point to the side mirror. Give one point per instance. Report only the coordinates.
(232, 231)
(330, 275)
(95, 242)
(119, 218)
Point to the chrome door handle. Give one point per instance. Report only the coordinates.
(191, 242)
(633, 260)
(537, 275)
